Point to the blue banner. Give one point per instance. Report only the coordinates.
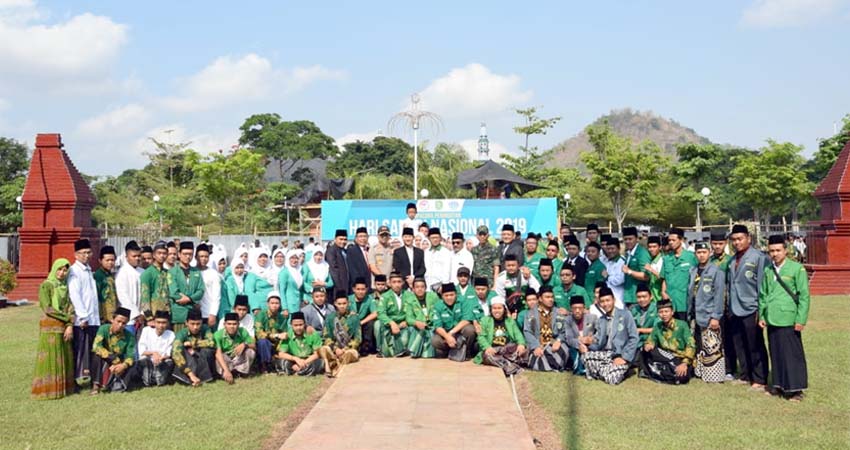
(538, 215)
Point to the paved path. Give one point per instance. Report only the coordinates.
(414, 404)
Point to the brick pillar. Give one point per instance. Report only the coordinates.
(57, 206)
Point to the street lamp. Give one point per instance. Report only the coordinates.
(705, 193)
(156, 206)
(567, 198)
(424, 193)
(20, 201)
(414, 118)
(286, 207)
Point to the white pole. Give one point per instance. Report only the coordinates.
(415, 161)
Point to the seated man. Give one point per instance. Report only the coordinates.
(193, 351)
(465, 289)
(155, 363)
(317, 311)
(269, 329)
(113, 350)
(454, 334)
(580, 327)
(234, 349)
(363, 306)
(532, 299)
(299, 352)
(594, 308)
(544, 329)
(669, 350)
(615, 342)
(512, 283)
(246, 319)
(645, 312)
(419, 309)
(481, 301)
(500, 341)
(341, 336)
(392, 318)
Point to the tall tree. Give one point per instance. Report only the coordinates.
(827, 153)
(286, 141)
(534, 125)
(14, 162)
(384, 155)
(229, 181)
(628, 173)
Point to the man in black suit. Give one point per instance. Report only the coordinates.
(358, 257)
(336, 257)
(510, 245)
(408, 260)
(575, 259)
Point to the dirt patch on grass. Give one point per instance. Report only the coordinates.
(539, 423)
(284, 428)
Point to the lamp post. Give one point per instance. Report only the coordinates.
(156, 206)
(705, 193)
(567, 198)
(413, 118)
(424, 193)
(286, 207)
(20, 201)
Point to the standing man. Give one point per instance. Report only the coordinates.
(410, 221)
(105, 281)
(706, 291)
(676, 274)
(596, 269)
(461, 257)
(185, 286)
(381, 255)
(510, 246)
(718, 249)
(591, 234)
(154, 284)
(363, 305)
(637, 258)
(783, 310)
(147, 257)
(438, 261)
(654, 266)
(83, 292)
(128, 287)
(337, 257)
(532, 258)
(358, 260)
(720, 258)
(171, 255)
(574, 258)
(485, 257)
(745, 273)
(211, 301)
(615, 268)
(409, 261)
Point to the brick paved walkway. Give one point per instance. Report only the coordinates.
(414, 404)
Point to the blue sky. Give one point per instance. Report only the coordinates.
(108, 75)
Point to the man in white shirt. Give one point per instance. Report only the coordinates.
(211, 300)
(246, 320)
(461, 257)
(128, 286)
(438, 261)
(514, 280)
(155, 363)
(614, 266)
(83, 292)
(411, 221)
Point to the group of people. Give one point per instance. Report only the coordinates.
(600, 308)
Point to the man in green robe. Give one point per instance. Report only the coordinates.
(596, 270)
(270, 326)
(552, 250)
(644, 312)
(235, 349)
(113, 354)
(105, 281)
(419, 306)
(299, 352)
(454, 334)
(185, 286)
(392, 317)
(464, 287)
(567, 289)
(363, 305)
(654, 266)
(154, 294)
(500, 342)
(546, 273)
(532, 257)
(669, 351)
(634, 269)
(341, 336)
(676, 273)
(193, 352)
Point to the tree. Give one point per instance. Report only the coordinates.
(627, 173)
(772, 181)
(530, 164)
(439, 170)
(14, 163)
(286, 141)
(384, 155)
(827, 153)
(229, 181)
(533, 125)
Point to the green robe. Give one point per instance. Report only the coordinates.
(117, 348)
(470, 292)
(654, 281)
(644, 318)
(776, 307)
(477, 308)
(676, 339)
(291, 294)
(562, 298)
(178, 285)
(204, 339)
(256, 289)
(512, 334)
(350, 323)
(533, 264)
(677, 273)
(363, 308)
(415, 312)
(593, 275)
(389, 311)
(300, 347)
(635, 263)
(307, 287)
(265, 324)
(154, 291)
(227, 343)
(106, 297)
(229, 293)
(447, 317)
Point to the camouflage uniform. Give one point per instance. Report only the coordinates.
(485, 257)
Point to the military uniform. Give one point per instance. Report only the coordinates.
(484, 257)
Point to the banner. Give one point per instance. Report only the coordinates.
(537, 215)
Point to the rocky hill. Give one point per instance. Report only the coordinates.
(637, 125)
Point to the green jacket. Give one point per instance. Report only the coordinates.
(655, 281)
(477, 308)
(351, 324)
(178, 285)
(677, 274)
(301, 347)
(776, 307)
(562, 298)
(115, 348)
(645, 318)
(389, 311)
(266, 324)
(204, 339)
(414, 312)
(634, 263)
(364, 308)
(447, 317)
(154, 294)
(106, 296)
(593, 275)
(676, 339)
(485, 340)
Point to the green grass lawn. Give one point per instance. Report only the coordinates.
(213, 416)
(642, 414)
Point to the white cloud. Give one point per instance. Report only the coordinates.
(472, 91)
(229, 80)
(354, 137)
(790, 13)
(83, 45)
(496, 149)
(120, 121)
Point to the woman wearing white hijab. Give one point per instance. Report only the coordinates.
(260, 281)
(241, 254)
(278, 265)
(316, 274)
(291, 280)
(234, 285)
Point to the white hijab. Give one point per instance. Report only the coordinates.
(240, 280)
(295, 272)
(264, 272)
(237, 255)
(319, 270)
(275, 269)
